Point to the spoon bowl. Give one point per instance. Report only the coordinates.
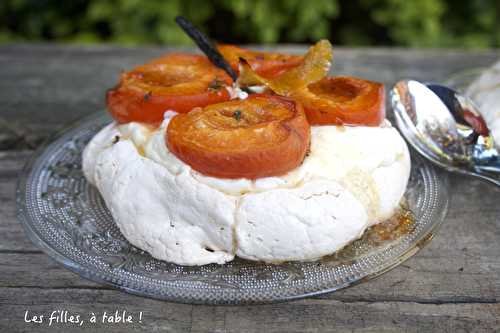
(446, 128)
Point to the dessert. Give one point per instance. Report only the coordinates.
(174, 81)
(296, 172)
(485, 91)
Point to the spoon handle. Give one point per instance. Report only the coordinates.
(206, 46)
(488, 173)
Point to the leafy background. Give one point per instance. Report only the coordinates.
(422, 23)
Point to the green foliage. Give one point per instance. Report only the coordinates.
(423, 23)
(266, 21)
(415, 25)
(438, 23)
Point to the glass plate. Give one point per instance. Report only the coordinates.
(66, 217)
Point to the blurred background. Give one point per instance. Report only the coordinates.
(423, 23)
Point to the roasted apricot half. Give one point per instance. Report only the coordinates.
(260, 136)
(178, 82)
(343, 100)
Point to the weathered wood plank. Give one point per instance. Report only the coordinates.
(298, 316)
(37, 270)
(157, 316)
(12, 237)
(11, 162)
(334, 316)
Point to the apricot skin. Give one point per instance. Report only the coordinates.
(274, 141)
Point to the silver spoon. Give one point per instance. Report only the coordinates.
(445, 128)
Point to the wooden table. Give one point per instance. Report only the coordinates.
(451, 285)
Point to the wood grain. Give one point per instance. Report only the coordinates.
(452, 285)
(12, 238)
(300, 316)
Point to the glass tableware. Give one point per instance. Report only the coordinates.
(66, 217)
